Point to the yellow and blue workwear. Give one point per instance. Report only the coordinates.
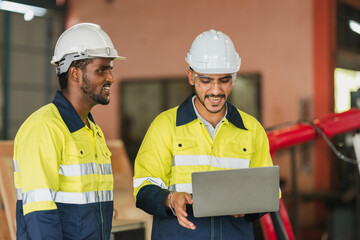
(176, 144)
(63, 176)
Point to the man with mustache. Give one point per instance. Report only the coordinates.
(62, 166)
(204, 133)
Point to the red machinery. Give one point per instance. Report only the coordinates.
(333, 124)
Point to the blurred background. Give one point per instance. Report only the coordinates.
(300, 61)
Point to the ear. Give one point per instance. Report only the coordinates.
(74, 74)
(190, 78)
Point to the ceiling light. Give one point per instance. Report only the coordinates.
(28, 10)
(355, 26)
(29, 15)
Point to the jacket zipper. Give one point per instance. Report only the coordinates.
(98, 188)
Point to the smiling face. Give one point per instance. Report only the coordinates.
(212, 92)
(97, 79)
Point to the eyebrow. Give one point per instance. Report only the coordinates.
(204, 76)
(207, 77)
(227, 76)
(106, 67)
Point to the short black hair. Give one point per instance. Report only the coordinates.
(63, 77)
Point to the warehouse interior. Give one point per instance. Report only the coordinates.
(300, 65)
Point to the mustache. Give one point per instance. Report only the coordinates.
(212, 95)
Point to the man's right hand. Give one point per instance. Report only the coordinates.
(178, 202)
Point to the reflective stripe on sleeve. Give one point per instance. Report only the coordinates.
(185, 187)
(157, 181)
(83, 198)
(191, 160)
(105, 169)
(38, 195)
(18, 194)
(16, 168)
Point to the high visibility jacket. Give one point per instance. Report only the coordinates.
(177, 144)
(63, 176)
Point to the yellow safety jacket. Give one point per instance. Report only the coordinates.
(63, 176)
(177, 144)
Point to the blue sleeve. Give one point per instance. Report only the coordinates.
(150, 198)
(43, 225)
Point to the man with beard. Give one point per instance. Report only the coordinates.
(63, 175)
(204, 133)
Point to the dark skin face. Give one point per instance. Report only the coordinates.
(93, 84)
(89, 87)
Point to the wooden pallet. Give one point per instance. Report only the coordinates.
(7, 190)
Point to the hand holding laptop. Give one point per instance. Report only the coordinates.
(242, 190)
(179, 200)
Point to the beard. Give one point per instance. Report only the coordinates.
(89, 89)
(202, 101)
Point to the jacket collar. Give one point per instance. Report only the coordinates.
(68, 113)
(186, 114)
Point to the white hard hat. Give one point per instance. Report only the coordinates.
(213, 52)
(82, 41)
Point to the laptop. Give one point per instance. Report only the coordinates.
(239, 191)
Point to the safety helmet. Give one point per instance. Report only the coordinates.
(82, 41)
(213, 52)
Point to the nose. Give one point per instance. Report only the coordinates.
(110, 77)
(215, 87)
